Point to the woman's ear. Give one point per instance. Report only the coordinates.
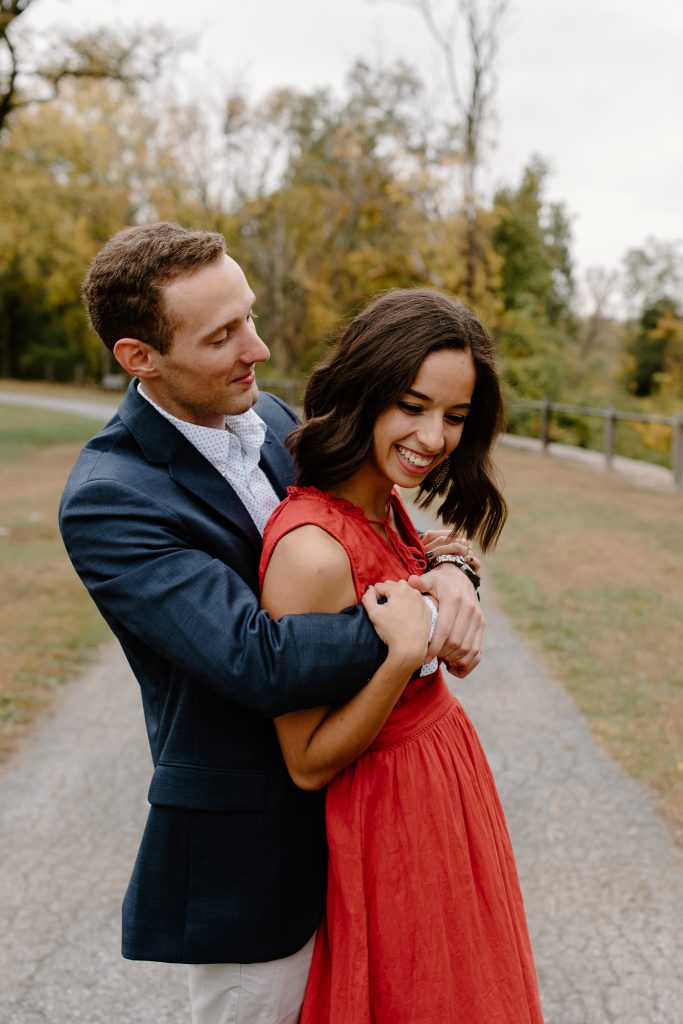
(137, 358)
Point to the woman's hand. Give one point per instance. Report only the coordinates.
(318, 742)
(440, 542)
(403, 621)
(457, 638)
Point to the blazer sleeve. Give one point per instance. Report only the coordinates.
(198, 614)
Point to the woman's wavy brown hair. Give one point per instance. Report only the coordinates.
(372, 367)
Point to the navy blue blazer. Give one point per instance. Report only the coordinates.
(232, 862)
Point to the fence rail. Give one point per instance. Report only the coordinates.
(611, 417)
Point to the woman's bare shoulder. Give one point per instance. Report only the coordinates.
(308, 571)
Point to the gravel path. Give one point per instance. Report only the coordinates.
(636, 471)
(72, 808)
(601, 873)
(80, 407)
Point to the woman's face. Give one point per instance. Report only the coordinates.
(412, 437)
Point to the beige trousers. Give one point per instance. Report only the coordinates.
(264, 993)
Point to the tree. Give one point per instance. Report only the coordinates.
(343, 219)
(599, 288)
(472, 82)
(532, 237)
(90, 163)
(537, 327)
(28, 77)
(652, 272)
(653, 286)
(10, 10)
(656, 350)
(599, 340)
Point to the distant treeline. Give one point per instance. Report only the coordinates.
(325, 199)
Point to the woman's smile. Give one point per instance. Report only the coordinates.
(416, 461)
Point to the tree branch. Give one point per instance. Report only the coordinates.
(105, 54)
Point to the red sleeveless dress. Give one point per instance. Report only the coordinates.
(424, 921)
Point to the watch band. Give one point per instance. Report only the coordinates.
(458, 560)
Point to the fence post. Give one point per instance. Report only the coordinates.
(677, 449)
(610, 436)
(546, 413)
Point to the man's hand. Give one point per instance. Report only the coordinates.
(459, 630)
(441, 542)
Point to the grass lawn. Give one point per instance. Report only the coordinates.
(38, 387)
(48, 624)
(590, 569)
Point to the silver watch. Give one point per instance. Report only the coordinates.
(472, 575)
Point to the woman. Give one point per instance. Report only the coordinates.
(424, 919)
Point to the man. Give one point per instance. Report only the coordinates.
(162, 517)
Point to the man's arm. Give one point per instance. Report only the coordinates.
(136, 559)
(458, 635)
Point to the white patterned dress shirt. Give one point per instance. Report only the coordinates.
(235, 453)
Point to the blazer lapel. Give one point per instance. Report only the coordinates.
(194, 472)
(277, 463)
(160, 442)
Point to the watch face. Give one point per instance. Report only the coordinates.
(458, 560)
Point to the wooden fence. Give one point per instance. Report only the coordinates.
(611, 418)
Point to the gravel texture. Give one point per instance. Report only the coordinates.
(601, 873)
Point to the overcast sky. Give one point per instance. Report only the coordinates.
(593, 86)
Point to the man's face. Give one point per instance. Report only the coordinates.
(208, 372)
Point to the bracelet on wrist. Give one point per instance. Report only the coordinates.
(458, 560)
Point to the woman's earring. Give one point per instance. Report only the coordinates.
(440, 473)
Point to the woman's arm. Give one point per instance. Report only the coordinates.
(309, 572)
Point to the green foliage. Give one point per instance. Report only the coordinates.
(537, 327)
(536, 356)
(78, 171)
(653, 339)
(38, 339)
(325, 199)
(344, 220)
(656, 351)
(533, 239)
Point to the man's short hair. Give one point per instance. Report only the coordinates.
(122, 290)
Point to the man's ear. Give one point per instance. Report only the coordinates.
(137, 358)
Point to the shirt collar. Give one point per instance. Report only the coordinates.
(247, 427)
